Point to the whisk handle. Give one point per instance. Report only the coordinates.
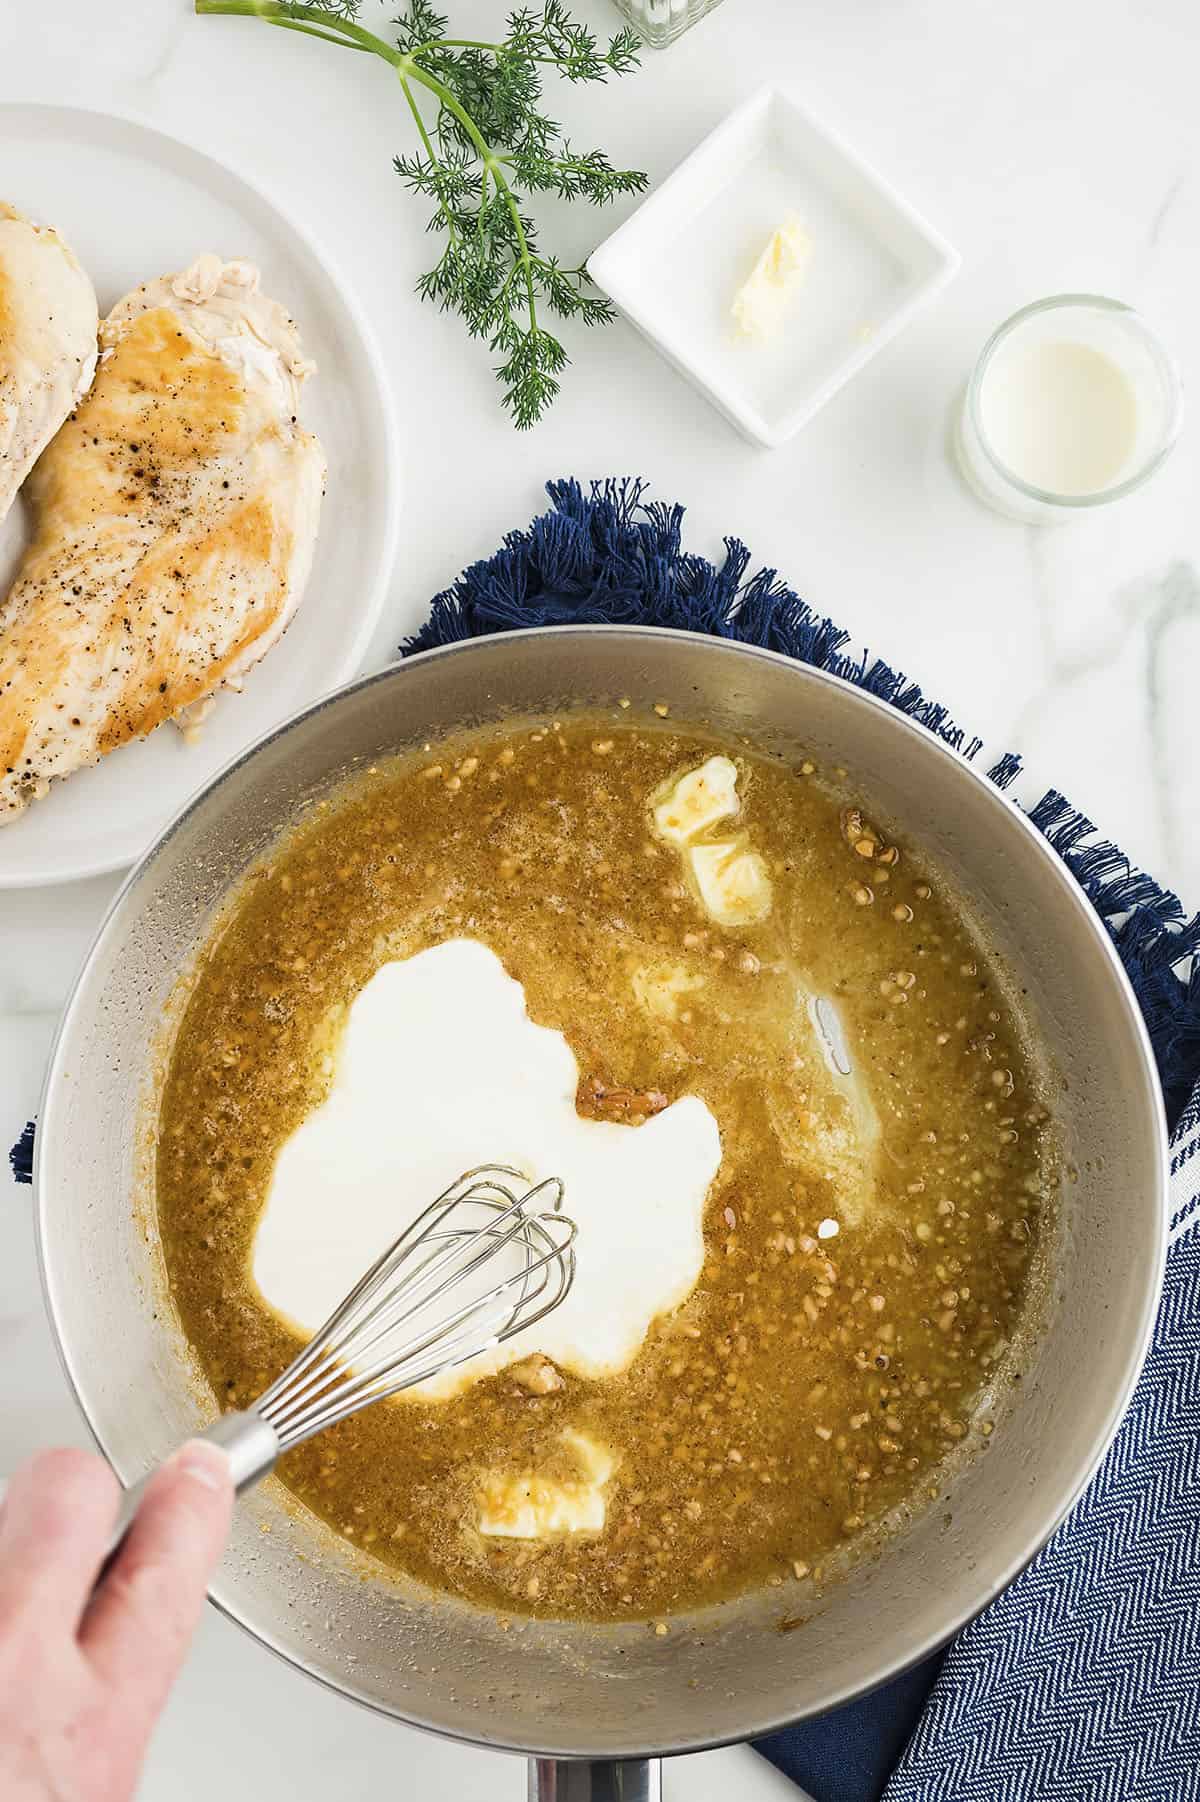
(250, 1443)
(252, 1447)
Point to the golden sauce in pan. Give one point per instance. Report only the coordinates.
(814, 1383)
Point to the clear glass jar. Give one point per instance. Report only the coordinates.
(659, 22)
(1074, 402)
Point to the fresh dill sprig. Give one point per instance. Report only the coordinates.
(484, 144)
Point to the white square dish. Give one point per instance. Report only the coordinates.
(675, 265)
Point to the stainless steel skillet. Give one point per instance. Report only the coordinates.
(571, 1691)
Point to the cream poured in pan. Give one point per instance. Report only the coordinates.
(696, 920)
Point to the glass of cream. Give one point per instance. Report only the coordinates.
(1074, 402)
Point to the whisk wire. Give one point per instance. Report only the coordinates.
(397, 1306)
(479, 1333)
(329, 1379)
(374, 1278)
(444, 1247)
(383, 1319)
(422, 1293)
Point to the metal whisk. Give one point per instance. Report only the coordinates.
(433, 1300)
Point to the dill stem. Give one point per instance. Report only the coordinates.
(454, 44)
(322, 37)
(332, 27)
(414, 109)
(467, 274)
(491, 166)
(314, 21)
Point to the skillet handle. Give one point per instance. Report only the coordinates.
(595, 1780)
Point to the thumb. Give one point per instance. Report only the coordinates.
(138, 1628)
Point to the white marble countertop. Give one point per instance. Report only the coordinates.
(1054, 142)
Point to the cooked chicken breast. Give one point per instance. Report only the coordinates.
(175, 519)
(47, 343)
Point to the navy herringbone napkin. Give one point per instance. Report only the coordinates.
(1082, 1681)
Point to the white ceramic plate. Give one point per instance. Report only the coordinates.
(134, 203)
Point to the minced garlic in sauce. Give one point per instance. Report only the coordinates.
(869, 1236)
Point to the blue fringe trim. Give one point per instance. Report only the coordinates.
(21, 1156)
(611, 557)
(1155, 940)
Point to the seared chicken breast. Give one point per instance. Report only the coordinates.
(175, 512)
(47, 342)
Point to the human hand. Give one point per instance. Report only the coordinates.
(82, 1678)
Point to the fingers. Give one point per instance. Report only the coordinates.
(57, 1515)
(138, 1628)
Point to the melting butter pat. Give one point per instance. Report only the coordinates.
(732, 881)
(763, 298)
(535, 1507)
(697, 800)
(658, 988)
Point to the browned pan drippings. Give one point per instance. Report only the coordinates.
(812, 1385)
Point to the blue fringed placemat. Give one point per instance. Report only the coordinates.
(1081, 1681)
